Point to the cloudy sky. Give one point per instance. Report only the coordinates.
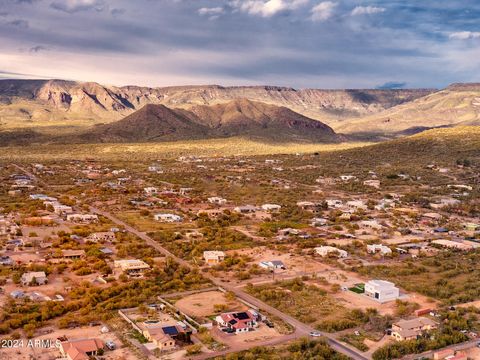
(298, 43)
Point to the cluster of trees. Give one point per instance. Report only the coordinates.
(86, 302)
(214, 238)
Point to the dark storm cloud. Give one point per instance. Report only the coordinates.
(302, 43)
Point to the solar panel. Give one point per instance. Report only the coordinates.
(241, 316)
(170, 330)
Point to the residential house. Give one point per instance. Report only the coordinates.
(104, 236)
(213, 257)
(412, 329)
(288, 231)
(169, 218)
(334, 203)
(272, 264)
(150, 190)
(243, 321)
(330, 250)
(382, 290)
(271, 207)
(246, 209)
(131, 266)
(378, 248)
(6, 261)
(164, 332)
(318, 222)
(83, 349)
(347, 177)
(73, 254)
(82, 218)
(34, 278)
(163, 341)
(211, 213)
(217, 200)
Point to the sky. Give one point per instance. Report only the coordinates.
(294, 43)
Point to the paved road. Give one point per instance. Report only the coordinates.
(301, 329)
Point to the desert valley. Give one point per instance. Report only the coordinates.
(239, 180)
(211, 222)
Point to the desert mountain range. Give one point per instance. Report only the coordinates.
(103, 113)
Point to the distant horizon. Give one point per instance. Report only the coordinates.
(225, 86)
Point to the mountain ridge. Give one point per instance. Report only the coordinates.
(26, 103)
(241, 117)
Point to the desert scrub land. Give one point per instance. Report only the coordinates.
(301, 349)
(309, 304)
(451, 277)
(142, 151)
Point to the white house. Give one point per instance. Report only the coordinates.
(382, 290)
(34, 278)
(245, 209)
(272, 264)
(382, 249)
(150, 190)
(334, 203)
(271, 207)
(318, 222)
(131, 266)
(327, 250)
(217, 200)
(170, 218)
(82, 218)
(213, 257)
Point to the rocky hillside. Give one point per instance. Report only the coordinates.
(30, 103)
(458, 104)
(240, 117)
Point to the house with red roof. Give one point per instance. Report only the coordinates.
(81, 349)
(242, 321)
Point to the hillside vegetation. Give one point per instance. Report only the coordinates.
(438, 146)
(240, 117)
(459, 104)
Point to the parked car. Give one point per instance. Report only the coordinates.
(110, 345)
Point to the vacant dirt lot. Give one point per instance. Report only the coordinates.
(202, 304)
(261, 334)
(356, 301)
